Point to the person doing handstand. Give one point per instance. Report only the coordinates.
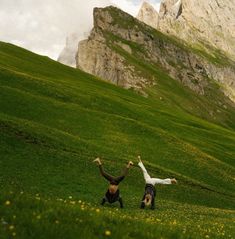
(150, 191)
(113, 194)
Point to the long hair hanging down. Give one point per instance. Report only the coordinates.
(147, 199)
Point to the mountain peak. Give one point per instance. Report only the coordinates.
(171, 7)
(146, 4)
(148, 15)
(67, 56)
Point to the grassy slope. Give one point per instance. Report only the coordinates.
(54, 120)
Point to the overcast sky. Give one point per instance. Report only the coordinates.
(42, 25)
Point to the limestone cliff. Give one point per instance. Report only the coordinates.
(117, 38)
(96, 56)
(148, 15)
(200, 22)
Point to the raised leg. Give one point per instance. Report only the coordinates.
(161, 181)
(120, 178)
(109, 177)
(145, 173)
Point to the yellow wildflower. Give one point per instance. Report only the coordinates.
(7, 203)
(107, 233)
(11, 227)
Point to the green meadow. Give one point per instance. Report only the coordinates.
(54, 120)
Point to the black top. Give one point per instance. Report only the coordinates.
(150, 189)
(112, 197)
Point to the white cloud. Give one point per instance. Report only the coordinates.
(128, 6)
(133, 6)
(42, 26)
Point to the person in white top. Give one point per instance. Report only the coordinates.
(150, 191)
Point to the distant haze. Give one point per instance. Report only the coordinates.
(42, 26)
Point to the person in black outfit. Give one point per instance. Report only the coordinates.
(113, 194)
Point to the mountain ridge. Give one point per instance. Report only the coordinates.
(188, 65)
(148, 15)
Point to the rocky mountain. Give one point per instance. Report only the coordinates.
(148, 15)
(114, 42)
(97, 57)
(200, 22)
(67, 56)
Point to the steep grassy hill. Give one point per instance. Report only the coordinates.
(54, 120)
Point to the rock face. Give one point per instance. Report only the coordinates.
(115, 37)
(148, 15)
(200, 22)
(96, 56)
(171, 7)
(67, 56)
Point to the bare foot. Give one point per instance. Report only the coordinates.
(97, 160)
(139, 158)
(173, 181)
